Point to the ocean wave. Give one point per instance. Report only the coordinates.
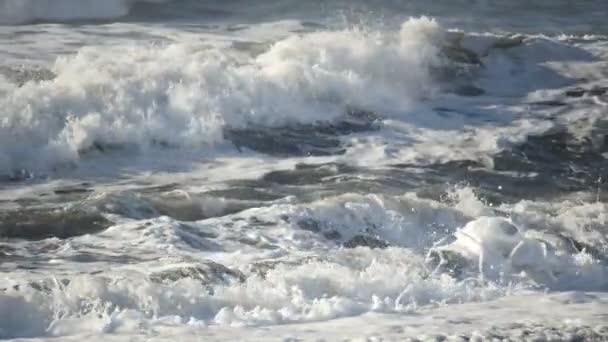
(294, 260)
(198, 94)
(183, 94)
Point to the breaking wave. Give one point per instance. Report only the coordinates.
(183, 94)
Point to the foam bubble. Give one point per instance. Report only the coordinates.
(496, 249)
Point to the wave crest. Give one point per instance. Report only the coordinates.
(184, 94)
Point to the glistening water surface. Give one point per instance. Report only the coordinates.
(271, 170)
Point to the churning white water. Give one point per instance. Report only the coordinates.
(284, 170)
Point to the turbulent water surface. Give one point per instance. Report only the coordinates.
(280, 170)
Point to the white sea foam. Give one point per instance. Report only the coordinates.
(497, 248)
(308, 278)
(141, 109)
(183, 94)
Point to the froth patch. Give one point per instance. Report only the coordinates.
(184, 94)
(497, 250)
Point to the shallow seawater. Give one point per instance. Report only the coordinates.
(322, 170)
